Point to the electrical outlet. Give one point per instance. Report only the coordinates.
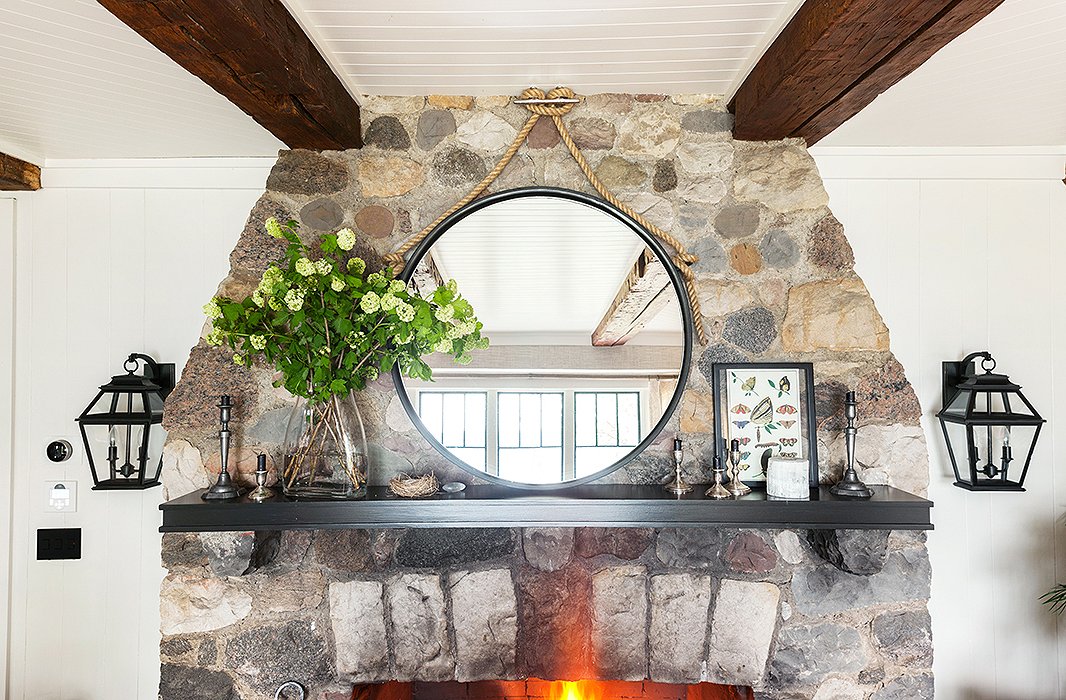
(60, 496)
(59, 543)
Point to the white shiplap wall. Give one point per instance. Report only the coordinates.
(104, 267)
(963, 251)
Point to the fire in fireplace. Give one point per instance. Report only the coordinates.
(537, 689)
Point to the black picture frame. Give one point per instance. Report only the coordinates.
(806, 418)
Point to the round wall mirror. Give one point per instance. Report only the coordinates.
(590, 339)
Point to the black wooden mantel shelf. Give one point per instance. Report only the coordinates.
(590, 505)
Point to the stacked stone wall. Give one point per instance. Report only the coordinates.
(243, 612)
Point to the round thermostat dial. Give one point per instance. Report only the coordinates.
(59, 450)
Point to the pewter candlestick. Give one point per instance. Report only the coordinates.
(736, 486)
(261, 492)
(224, 489)
(678, 485)
(850, 486)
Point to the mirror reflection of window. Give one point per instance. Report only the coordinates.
(457, 420)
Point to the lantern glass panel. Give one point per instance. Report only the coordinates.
(959, 403)
(956, 434)
(119, 452)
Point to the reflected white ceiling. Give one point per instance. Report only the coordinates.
(544, 268)
(1002, 83)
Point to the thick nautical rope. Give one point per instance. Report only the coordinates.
(682, 259)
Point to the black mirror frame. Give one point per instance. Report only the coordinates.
(656, 246)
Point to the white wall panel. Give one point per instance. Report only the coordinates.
(104, 269)
(960, 263)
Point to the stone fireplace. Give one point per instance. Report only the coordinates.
(790, 614)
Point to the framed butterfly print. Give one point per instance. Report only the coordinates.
(769, 408)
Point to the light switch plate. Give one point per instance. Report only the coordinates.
(60, 496)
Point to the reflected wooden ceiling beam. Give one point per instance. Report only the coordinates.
(257, 56)
(642, 295)
(835, 56)
(18, 175)
(426, 277)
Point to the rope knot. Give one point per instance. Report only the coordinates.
(553, 94)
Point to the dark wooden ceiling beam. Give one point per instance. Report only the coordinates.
(255, 54)
(835, 56)
(18, 175)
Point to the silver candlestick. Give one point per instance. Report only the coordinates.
(717, 491)
(678, 485)
(224, 489)
(261, 492)
(736, 487)
(850, 486)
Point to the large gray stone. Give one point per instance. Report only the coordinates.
(344, 550)
(805, 655)
(905, 636)
(707, 121)
(229, 553)
(458, 166)
(779, 249)
(357, 616)
(665, 178)
(619, 623)
(388, 133)
(712, 256)
(189, 683)
(485, 618)
(737, 220)
(419, 622)
(824, 589)
(745, 616)
(434, 126)
(623, 542)
(751, 329)
(322, 214)
(693, 548)
(548, 548)
(425, 549)
(860, 552)
(907, 688)
(307, 172)
(267, 656)
(678, 628)
(183, 469)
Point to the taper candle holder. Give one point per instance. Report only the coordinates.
(850, 486)
(224, 489)
(678, 486)
(736, 487)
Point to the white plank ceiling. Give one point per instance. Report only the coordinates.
(77, 83)
(494, 47)
(1002, 83)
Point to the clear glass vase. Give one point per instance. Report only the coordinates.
(325, 451)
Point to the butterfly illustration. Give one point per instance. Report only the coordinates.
(783, 386)
(744, 440)
(747, 386)
(788, 442)
(786, 409)
(741, 423)
(740, 409)
(786, 424)
(763, 412)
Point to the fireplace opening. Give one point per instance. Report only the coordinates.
(537, 689)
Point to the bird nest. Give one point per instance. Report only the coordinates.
(415, 486)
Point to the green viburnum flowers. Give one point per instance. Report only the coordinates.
(329, 330)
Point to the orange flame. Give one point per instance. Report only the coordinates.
(575, 690)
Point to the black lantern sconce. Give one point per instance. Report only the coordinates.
(985, 417)
(121, 426)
